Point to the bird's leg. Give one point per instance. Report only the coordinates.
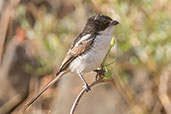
(100, 73)
(85, 83)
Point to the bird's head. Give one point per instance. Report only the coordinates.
(99, 23)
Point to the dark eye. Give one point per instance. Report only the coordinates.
(106, 22)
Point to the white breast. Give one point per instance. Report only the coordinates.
(94, 57)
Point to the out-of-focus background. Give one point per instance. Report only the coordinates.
(36, 34)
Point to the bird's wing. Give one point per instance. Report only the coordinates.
(80, 47)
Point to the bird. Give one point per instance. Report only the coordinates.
(87, 50)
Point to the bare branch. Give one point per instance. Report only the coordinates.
(4, 22)
(163, 88)
(75, 104)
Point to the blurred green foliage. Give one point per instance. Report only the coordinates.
(143, 36)
(137, 62)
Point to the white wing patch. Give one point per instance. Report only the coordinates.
(83, 38)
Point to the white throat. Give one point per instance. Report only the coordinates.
(107, 31)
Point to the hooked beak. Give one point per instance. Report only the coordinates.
(114, 22)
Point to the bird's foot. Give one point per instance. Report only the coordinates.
(100, 73)
(87, 87)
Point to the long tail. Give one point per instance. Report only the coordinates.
(44, 89)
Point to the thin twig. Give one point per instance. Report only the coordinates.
(75, 104)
